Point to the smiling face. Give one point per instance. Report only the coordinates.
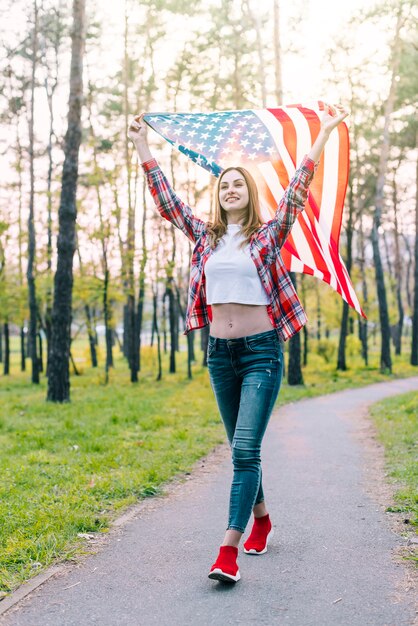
(233, 192)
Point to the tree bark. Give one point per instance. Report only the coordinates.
(277, 53)
(398, 274)
(294, 370)
(130, 329)
(30, 271)
(59, 375)
(22, 350)
(6, 364)
(260, 51)
(414, 346)
(363, 328)
(385, 356)
(157, 331)
(341, 360)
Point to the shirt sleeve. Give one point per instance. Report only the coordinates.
(293, 201)
(169, 204)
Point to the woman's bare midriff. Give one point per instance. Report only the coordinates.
(231, 320)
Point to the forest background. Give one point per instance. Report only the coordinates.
(131, 268)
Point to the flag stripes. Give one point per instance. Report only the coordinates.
(271, 143)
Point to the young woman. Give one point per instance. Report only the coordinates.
(240, 286)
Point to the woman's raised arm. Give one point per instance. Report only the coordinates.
(169, 205)
(296, 193)
(138, 133)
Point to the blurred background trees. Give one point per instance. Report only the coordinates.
(130, 267)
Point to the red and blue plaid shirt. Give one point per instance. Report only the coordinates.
(285, 310)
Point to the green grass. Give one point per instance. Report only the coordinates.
(396, 420)
(74, 467)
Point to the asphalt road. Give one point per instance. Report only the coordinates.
(330, 562)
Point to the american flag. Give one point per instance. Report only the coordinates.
(271, 143)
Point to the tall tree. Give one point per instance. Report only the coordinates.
(52, 30)
(277, 53)
(30, 271)
(414, 346)
(59, 375)
(385, 356)
(294, 370)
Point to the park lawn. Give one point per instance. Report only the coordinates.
(396, 420)
(72, 468)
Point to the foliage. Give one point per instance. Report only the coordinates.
(397, 424)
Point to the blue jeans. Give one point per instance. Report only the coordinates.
(245, 375)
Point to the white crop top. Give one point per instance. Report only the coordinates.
(231, 274)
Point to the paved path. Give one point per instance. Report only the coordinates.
(329, 564)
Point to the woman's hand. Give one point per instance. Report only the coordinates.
(138, 130)
(332, 116)
(138, 133)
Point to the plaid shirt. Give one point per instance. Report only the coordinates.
(285, 310)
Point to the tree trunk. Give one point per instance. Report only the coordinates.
(363, 328)
(108, 329)
(318, 313)
(157, 332)
(59, 375)
(182, 310)
(142, 275)
(277, 54)
(260, 45)
(30, 271)
(6, 364)
(305, 331)
(414, 346)
(40, 352)
(89, 322)
(385, 356)
(91, 336)
(398, 274)
(171, 318)
(22, 350)
(50, 99)
(132, 348)
(341, 361)
(294, 370)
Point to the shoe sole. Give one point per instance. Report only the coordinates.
(254, 551)
(218, 574)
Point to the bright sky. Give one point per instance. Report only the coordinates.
(302, 73)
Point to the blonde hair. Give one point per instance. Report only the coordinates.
(252, 220)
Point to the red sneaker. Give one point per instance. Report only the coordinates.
(261, 532)
(225, 567)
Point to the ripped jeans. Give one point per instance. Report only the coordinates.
(245, 375)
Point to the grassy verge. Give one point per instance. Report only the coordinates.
(396, 420)
(69, 469)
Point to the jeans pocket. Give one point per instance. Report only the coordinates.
(266, 344)
(211, 348)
